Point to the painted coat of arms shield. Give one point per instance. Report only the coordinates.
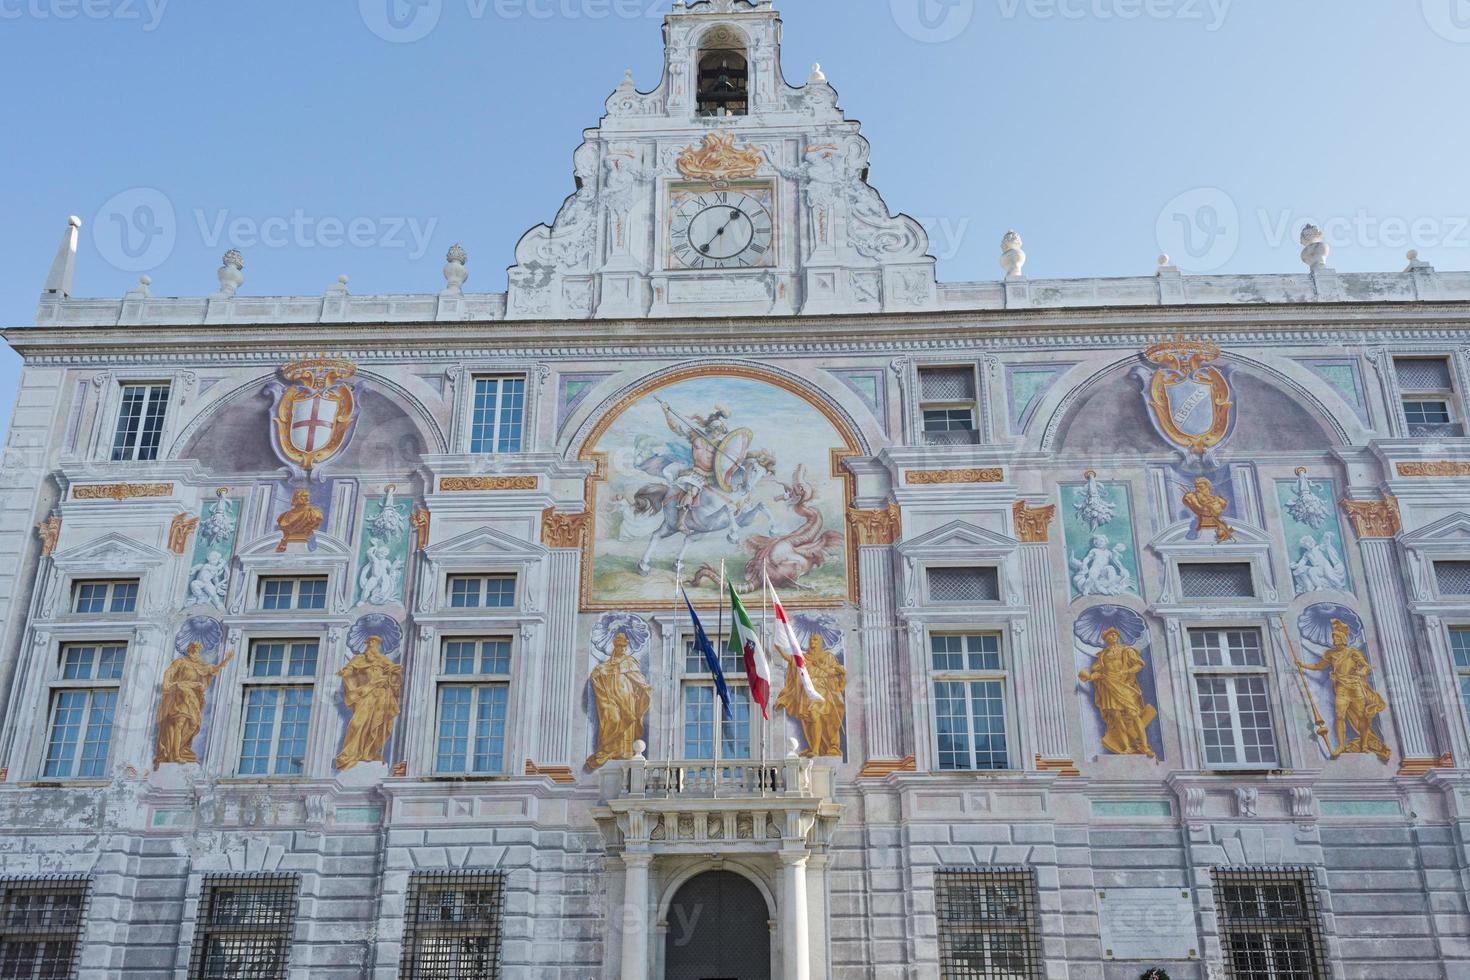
(1191, 402)
(314, 413)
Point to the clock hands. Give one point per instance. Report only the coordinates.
(735, 215)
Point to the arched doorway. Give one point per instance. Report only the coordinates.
(719, 929)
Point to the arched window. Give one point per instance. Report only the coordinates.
(724, 75)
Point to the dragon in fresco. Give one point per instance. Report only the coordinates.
(785, 558)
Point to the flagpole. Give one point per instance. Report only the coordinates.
(765, 645)
(716, 704)
(674, 654)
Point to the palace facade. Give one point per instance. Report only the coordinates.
(345, 636)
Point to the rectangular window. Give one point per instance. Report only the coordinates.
(92, 598)
(244, 927)
(83, 705)
(1270, 924)
(969, 701)
(451, 927)
(1233, 695)
(41, 922)
(498, 415)
(140, 422)
(482, 591)
(1460, 651)
(989, 923)
(947, 397)
(702, 706)
(293, 593)
(1428, 390)
(1453, 577)
(473, 700)
(1216, 580)
(277, 705)
(979, 584)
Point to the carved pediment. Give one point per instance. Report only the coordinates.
(1448, 534)
(111, 551)
(325, 548)
(959, 539)
(485, 543)
(1183, 536)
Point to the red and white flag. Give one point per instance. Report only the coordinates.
(785, 640)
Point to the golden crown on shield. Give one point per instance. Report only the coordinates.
(319, 372)
(1186, 354)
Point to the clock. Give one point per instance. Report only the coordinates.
(725, 227)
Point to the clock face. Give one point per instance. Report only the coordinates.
(720, 229)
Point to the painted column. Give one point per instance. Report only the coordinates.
(635, 915)
(1043, 671)
(564, 534)
(882, 676)
(795, 931)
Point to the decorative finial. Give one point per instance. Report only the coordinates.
(793, 749)
(339, 288)
(1314, 249)
(1416, 263)
(141, 290)
(455, 272)
(1012, 256)
(817, 76)
(231, 274)
(627, 81)
(639, 747)
(74, 221)
(64, 266)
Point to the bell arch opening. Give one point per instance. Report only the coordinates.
(724, 74)
(719, 928)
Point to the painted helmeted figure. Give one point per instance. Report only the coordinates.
(1101, 571)
(209, 581)
(705, 435)
(1318, 566)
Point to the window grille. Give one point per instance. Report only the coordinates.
(452, 928)
(988, 923)
(41, 922)
(139, 423)
(1423, 373)
(1270, 923)
(244, 927)
(1217, 580)
(948, 384)
(964, 585)
(1453, 577)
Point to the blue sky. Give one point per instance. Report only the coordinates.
(324, 141)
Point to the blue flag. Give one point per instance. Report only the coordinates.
(703, 645)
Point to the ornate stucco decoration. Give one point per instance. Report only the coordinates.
(1375, 518)
(122, 491)
(49, 531)
(1033, 524)
(314, 413)
(562, 775)
(300, 523)
(1191, 402)
(930, 478)
(470, 484)
(719, 159)
(881, 768)
(877, 527)
(420, 522)
(562, 530)
(1441, 468)
(179, 532)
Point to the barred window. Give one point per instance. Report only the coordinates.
(498, 415)
(947, 384)
(91, 598)
(1453, 577)
(988, 923)
(1270, 923)
(84, 700)
(947, 396)
(293, 593)
(452, 929)
(41, 922)
(1428, 390)
(244, 928)
(1216, 580)
(1423, 373)
(482, 591)
(969, 701)
(474, 698)
(979, 584)
(1233, 698)
(140, 422)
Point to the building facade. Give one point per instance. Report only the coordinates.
(345, 636)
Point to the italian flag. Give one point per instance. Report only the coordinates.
(745, 641)
(786, 643)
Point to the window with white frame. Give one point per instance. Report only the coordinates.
(278, 593)
(498, 415)
(482, 591)
(1233, 694)
(83, 704)
(1460, 651)
(1270, 923)
(473, 702)
(41, 923)
(702, 706)
(969, 678)
(140, 418)
(947, 400)
(1426, 385)
(280, 683)
(94, 597)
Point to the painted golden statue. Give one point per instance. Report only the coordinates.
(1119, 698)
(371, 686)
(1357, 703)
(821, 721)
(1207, 506)
(181, 708)
(623, 695)
(300, 522)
